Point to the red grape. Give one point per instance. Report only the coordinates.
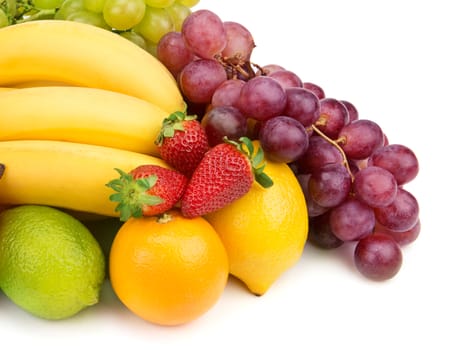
(352, 220)
(227, 93)
(402, 214)
(314, 208)
(375, 186)
(404, 237)
(204, 33)
(378, 257)
(173, 53)
(200, 78)
(333, 116)
(353, 113)
(262, 98)
(319, 153)
(360, 138)
(399, 160)
(317, 90)
(320, 233)
(270, 68)
(240, 42)
(224, 121)
(303, 105)
(283, 139)
(329, 185)
(286, 78)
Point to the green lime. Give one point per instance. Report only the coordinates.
(50, 263)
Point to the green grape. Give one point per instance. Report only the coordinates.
(68, 7)
(188, 3)
(178, 13)
(152, 48)
(3, 19)
(88, 17)
(123, 14)
(136, 38)
(8, 7)
(159, 3)
(47, 4)
(94, 5)
(155, 24)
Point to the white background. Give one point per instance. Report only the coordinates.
(400, 63)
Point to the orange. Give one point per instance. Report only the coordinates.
(168, 272)
(265, 231)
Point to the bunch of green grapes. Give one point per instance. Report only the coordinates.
(7, 12)
(143, 22)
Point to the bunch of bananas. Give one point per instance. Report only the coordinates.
(76, 102)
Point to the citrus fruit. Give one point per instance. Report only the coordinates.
(168, 270)
(50, 263)
(264, 232)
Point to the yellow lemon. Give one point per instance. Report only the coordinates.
(265, 231)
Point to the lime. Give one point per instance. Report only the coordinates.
(50, 263)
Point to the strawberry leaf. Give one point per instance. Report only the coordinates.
(131, 194)
(256, 157)
(171, 124)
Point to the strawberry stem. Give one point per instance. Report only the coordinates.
(131, 194)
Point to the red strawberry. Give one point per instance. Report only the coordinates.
(182, 142)
(147, 190)
(226, 173)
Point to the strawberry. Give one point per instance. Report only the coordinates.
(226, 173)
(147, 190)
(182, 142)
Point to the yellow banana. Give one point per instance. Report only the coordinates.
(79, 114)
(64, 174)
(81, 54)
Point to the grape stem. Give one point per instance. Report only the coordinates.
(19, 11)
(40, 14)
(236, 65)
(336, 145)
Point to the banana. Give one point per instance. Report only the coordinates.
(82, 115)
(81, 54)
(64, 174)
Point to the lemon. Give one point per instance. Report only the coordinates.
(50, 263)
(265, 231)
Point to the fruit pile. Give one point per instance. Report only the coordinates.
(203, 163)
(353, 179)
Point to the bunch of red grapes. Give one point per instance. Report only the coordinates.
(352, 177)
